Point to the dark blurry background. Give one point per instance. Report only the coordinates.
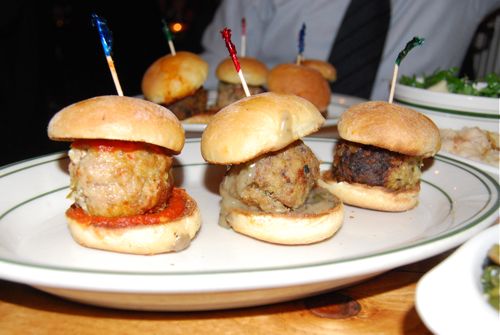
(51, 56)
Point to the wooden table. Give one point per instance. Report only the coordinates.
(381, 305)
(386, 306)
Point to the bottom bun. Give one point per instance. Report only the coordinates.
(316, 221)
(143, 239)
(371, 197)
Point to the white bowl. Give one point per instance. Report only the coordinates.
(449, 110)
(449, 298)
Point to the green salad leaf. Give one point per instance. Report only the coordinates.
(492, 88)
(490, 278)
(456, 84)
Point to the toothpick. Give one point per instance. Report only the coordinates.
(168, 36)
(299, 59)
(171, 47)
(244, 83)
(415, 41)
(301, 44)
(393, 82)
(114, 75)
(226, 35)
(107, 44)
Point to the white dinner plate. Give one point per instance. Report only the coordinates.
(338, 104)
(449, 110)
(495, 170)
(222, 269)
(449, 298)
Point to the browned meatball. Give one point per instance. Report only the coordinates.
(366, 164)
(276, 182)
(193, 104)
(114, 183)
(228, 93)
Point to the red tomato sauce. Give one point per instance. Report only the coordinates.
(176, 207)
(113, 145)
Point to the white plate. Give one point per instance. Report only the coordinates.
(222, 269)
(338, 104)
(450, 110)
(480, 165)
(449, 298)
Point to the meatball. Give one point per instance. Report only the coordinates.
(228, 93)
(193, 104)
(365, 164)
(115, 183)
(276, 182)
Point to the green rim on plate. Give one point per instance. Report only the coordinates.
(449, 111)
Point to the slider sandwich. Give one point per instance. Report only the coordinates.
(303, 81)
(230, 88)
(176, 82)
(121, 179)
(326, 69)
(270, 189)
(377, 163)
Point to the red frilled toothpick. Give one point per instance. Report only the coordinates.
(226, 35)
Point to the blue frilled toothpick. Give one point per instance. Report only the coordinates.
(107, 46)
(301, 44)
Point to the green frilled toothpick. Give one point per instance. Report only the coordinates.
(168, 36)
(416, 41)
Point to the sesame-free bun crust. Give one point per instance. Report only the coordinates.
(254, 71)
(326, 69)
(152, 239)
(284, 228)
(171, 78)
(118, 118)
(371, 197)
(390, 126)
(302, 81)
(258, 124)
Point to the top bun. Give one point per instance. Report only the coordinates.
(302, 81)
(255, 71)
(391, 127)
(171, 78)
(118, 118)
(326, 69)
(258, 124)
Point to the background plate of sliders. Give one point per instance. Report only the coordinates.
(221, 268)
(338, 104)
